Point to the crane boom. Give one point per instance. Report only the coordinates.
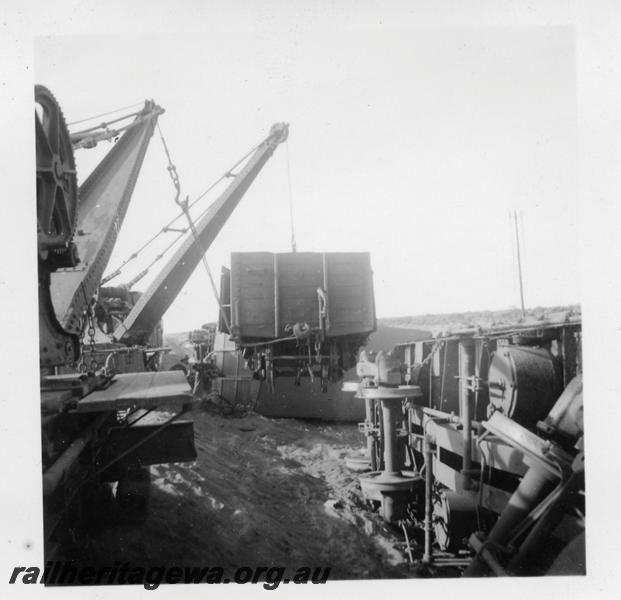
(152, 305)
(104, 199)
(89, 437)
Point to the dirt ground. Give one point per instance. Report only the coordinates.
(263, 492)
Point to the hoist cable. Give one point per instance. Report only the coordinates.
(167, 227)
(293, 244)
(185, 207)
(159, 256)
(202, 251)
(111, 112)
(105, 125)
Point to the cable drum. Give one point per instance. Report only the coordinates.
(524, 383)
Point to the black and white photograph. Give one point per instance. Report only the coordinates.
(311, 281)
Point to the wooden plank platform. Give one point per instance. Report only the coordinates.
(139, 390)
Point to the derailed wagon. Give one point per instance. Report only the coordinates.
(299, 314)
(475, 440)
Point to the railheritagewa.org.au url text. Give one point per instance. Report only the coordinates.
(152, 576)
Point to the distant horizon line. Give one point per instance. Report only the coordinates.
(466, 313)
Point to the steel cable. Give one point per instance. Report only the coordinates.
(184, 205)
(111, 112)
(167, 227)
(293, 243)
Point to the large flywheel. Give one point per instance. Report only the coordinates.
(57, 210)
(57, 186)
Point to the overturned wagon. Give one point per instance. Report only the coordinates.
(299, 314)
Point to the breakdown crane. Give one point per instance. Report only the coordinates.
(75, 243)
(90, 429)
(132, 329)
(88, 418)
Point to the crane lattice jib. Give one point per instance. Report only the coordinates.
(152, 305)
(104, 198)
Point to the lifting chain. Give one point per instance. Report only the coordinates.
(438, 345)
(83, 367)
(416, 367)
(185, 207)
(436, 348)
(172, 171)
(90, 320)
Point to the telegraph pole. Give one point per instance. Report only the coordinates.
(519, 261)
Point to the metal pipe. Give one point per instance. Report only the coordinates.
(236, 378)
(323, 294)
(389, 408)
(530, 549)
(403, 440)
(533, 487)
(276, 297)
(441, 415)
(487, 556)
(408, 362)
(370, 427)
(428, 495)
(408, 546)
(54, 475)
(466, 372)
(501, 330)
(430, 378)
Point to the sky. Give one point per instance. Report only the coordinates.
(410, 142)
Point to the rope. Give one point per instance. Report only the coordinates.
(293, 244)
